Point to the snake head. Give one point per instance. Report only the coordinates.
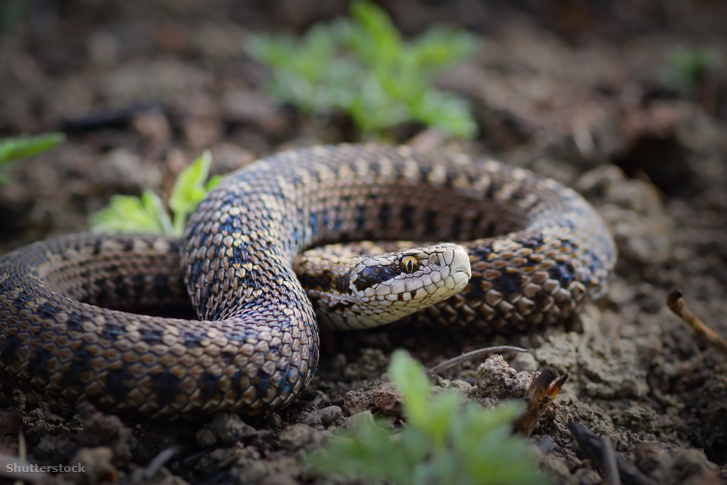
(390, 286)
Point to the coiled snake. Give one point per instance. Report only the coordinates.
(536, 250)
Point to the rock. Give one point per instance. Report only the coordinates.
(300, 436)
(228, 428)
(94, 466)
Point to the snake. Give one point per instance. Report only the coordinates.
(278, 247)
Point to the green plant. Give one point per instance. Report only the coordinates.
(687, 67)
(363, 67)
(444, 441)
(128, 213)
(10, 12)
(14, 149)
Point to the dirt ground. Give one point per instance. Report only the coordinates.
(573, 89)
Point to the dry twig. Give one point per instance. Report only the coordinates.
(599, 451)
(676, 304)
(475, 354)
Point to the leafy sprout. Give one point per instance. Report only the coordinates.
(10, 12)
(688, 65)
(14, 149)
(445, 440)
(147, 214)
(365, 68)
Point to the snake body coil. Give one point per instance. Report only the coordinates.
(536, 250)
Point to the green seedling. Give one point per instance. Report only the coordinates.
(147, 214)
(445, 440)
(10, 13)
(688, 66)
(14, 149)
(363, 67)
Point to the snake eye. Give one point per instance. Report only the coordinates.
(409, 264)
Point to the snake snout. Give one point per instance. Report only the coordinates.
(460, 269)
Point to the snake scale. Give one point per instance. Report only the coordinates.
(536, 249)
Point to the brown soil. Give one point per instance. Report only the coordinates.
(571, 89)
